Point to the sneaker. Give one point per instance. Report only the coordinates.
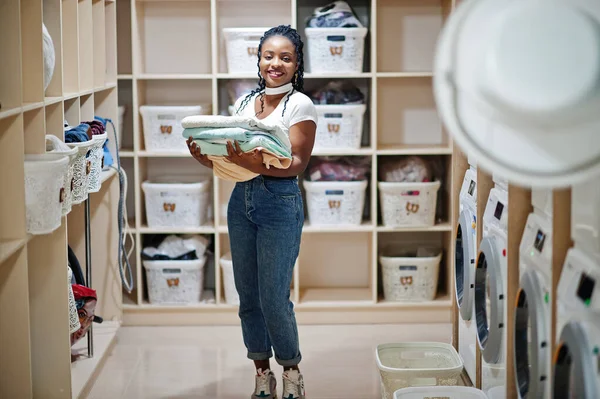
(293, 385)
(266, 385)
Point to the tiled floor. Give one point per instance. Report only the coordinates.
(210, 363)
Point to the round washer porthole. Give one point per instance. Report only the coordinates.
(489, 301)
(464, 266)
(574, 375)
(531, 336)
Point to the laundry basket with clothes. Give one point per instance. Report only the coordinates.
(335, 39)
(341, 109)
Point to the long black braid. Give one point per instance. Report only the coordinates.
(297, 81)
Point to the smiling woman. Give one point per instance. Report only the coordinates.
(265, 215)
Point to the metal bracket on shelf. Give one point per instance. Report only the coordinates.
(88, 271)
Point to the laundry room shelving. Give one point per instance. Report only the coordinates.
(35, 352)
(173, 53)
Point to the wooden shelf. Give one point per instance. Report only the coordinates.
(157, 66)
(365, 226)
(33, 269)
(9, 248)
(390, 149)
(208, 229)
(85, 370)
(333, 152)
(446, 226)
(326, 297)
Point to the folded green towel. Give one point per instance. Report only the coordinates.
(242, 135)
(219, 149)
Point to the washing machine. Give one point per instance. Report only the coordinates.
(533, 313)
(576, 365)
(490, 291)
(464, 270)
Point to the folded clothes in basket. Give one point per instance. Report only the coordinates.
(339, 169)
(174, 247)
(212, 132)
(334, 15)
(340, 92)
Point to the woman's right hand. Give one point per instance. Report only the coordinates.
(197, 154)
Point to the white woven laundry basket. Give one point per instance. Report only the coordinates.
(411, 364)
(55, 146)
(175, 282)
(96, 158)
(81, 171)
(339, 126)
(440, 392)
(241, 48)
(44, 191)
(334, 202)
(176, 204)
(162, 125)
(408, 204)
(335, 50)
(411, 275)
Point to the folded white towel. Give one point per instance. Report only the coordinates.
(218, 121)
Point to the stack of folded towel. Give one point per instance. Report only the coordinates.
(212, 132)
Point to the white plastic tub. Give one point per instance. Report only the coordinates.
(440, 392)
(162, 126)
(81, 170)
(408, 204)
(96, 158)
(55, 146)
(175, 282)
(411, 276)
(44, 191)
(339, 126)
(335, 203)
(231, 294)
(335, 50)
(413, 364)
(241, 48)
(176, 204)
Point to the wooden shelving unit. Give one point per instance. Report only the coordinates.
(173, 53)
(35, 353)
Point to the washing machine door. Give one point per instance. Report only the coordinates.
(531, 339)
(464, 264)
(574, 368)
(489, 300)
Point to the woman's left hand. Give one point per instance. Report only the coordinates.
(251, 161)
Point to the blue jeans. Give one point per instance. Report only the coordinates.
(265, 217)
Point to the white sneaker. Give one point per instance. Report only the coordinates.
(293, 385)
(266, 385)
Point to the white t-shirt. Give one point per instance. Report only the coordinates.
(299, 108)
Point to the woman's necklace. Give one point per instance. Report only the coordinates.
(273, 91)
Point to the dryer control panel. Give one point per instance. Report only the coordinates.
(578, 288)
(496, 211)
(536, 243)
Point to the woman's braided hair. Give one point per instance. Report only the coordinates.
(298, 79)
